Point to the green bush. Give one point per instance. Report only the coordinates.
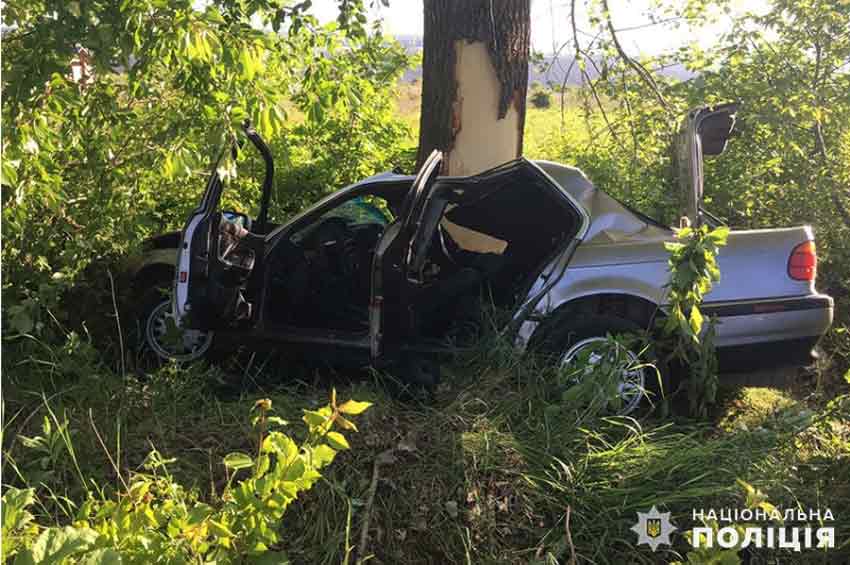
(693, 270)
(90, 171)
(155, 519)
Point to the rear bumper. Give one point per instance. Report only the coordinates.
(767, 334)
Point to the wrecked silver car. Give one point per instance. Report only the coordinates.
(397, 267)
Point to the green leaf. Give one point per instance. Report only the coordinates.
(314, 419)
(295, 469)
(238, 460)
(263, 465)
(219, 529)
(8, 173)
(719, 235)
(696, 320)
(103, 556)
(250, 63)
(337, 441)
(322, 455)
(20, 319)
(281, 445)
(573, 394)
(344, 423)
(14, 508)
(55, 544)
(354, 407)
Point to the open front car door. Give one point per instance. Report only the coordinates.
(219, 255)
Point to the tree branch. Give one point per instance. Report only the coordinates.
(637, 67)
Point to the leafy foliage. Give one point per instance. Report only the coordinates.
(754, 499)
(91, 168)
(693, 269)
(156, 520)
(19, 529)
(540, 98)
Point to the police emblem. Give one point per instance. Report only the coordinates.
(654, 528)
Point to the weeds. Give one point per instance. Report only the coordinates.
(485, 473)
(690, 339)
(154, 518)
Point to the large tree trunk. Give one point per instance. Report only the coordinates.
(474, 82)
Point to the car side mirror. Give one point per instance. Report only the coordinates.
(237, 218)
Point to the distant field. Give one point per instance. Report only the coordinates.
(545, 130)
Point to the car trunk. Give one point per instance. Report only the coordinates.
(754, 261)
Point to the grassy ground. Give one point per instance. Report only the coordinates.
(484, 473)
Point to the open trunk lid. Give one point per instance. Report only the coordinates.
(704, 133)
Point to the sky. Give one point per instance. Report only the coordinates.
(550, 26)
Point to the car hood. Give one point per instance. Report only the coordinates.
(610, 221)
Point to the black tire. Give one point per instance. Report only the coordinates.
(574, 328)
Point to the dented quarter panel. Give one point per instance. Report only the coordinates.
(621, 254)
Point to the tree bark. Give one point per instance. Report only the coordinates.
(474, 82)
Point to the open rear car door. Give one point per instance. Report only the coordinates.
(218, 256)
(388, 306)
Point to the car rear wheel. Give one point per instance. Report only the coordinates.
(583, 360)
(583, 349)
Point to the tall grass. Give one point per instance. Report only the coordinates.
(484, 473)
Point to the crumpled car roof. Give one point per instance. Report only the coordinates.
(610, 221)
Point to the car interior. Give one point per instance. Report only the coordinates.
(484, 253)
(476, 248)
(319, 275)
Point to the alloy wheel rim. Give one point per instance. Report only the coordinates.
(632, 379)
(171, 342)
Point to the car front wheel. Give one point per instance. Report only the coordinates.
(171, 342)
(159, 338)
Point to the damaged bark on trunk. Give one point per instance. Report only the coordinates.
(474, 82)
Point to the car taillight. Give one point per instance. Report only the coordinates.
(803, 263)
